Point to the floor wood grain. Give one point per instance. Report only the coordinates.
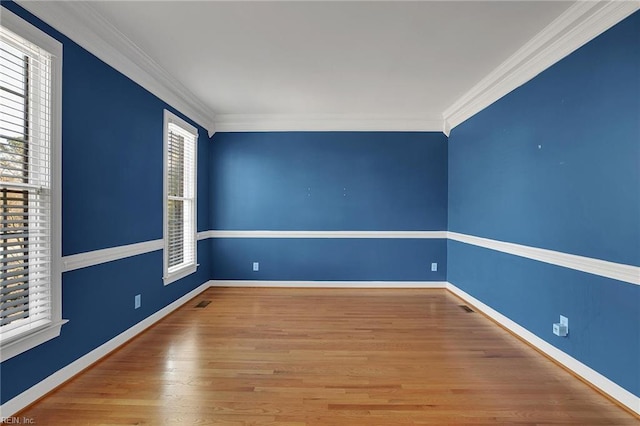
(258, 356)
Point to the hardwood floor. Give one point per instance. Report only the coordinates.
(326, 357)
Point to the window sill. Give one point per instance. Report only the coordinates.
(179, 274)
(31, 340)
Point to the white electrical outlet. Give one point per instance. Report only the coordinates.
(564, 321)
(434, 267)
(137, 301)
(561, 328)
(256, 266)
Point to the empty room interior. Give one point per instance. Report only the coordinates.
(320, 213)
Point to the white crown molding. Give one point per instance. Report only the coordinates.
(324, 234)
(96, 257)
(446, 128)
(601, 382)
(328, 284)
(579, 24)
(84, 25)
(616, 271)
(40, 389)
(324, 122)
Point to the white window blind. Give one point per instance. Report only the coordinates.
(26, 195)
(180, 202)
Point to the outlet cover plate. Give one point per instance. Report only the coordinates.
(564, 321)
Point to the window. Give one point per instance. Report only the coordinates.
(180, 153)
(30, 146)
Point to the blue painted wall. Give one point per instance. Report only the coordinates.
(329, 259)
(318, 181)
(329, 181)
(556, 164)
(112, 195)
(603, 313)
(113, 157)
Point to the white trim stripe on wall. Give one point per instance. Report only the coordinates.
(617, 271)
(96, 257)
(326, 234)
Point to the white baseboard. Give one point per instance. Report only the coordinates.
(37, 391)
(602, 383)
(329, 284)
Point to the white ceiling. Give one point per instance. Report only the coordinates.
(404, 60)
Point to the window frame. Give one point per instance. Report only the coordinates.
(188, 269)
(18, 343)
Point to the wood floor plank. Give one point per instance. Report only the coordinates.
(294, 357)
